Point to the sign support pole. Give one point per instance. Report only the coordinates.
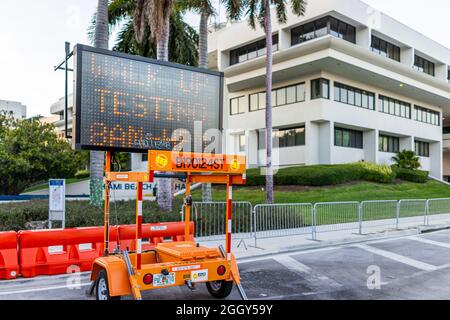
(106, 208)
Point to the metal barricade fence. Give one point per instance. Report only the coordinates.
(278, 220)
(412, 211)
(335, 216)
(379, 213)
(209, 219)
(437, 208)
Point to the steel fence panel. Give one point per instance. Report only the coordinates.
(335, 216)
(278, 220)
(412, 211)
(209, 219)
(379, 213)
(438, 209)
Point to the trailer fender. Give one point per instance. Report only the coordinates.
(116, 270)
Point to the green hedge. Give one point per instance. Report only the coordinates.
(325, 175)
(82, 174)
(15, 216)
(417, 176)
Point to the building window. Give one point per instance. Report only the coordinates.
(241, 140)
(348, 138)
(448, 76)
(280, 97)
(395, 107)
(320, 88)
(291, 137)
(422, 148)
(237, 105)
(353, 96)
(423, 65)
(446, 130)
(323, 27)
(426, 115)
(144, 157)
(252, 50)
(389, 144)
(385, 49)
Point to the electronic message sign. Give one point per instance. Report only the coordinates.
(130, 103)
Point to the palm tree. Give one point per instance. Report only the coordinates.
(101, 40)
(183, 39)
(259, 10)
(156, 15)
(206, 10)
(406, 159)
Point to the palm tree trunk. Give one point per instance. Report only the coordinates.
(269, 165)
(203, 63)
(97, 157)
(164, 191)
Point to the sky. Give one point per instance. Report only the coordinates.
(32, 36)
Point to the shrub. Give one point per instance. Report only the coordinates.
(377, 173)
(417, 176)
(14, 216)
(81, 174)
(325, 175)
(407, 159)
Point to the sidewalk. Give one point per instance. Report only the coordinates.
(373, 230)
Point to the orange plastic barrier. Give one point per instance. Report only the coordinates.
(59, 251)
(9, 265)
(152, 234)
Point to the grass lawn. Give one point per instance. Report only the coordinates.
(358, 191)
(45, 184)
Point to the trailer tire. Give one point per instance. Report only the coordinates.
(102, 287)
(219, 289)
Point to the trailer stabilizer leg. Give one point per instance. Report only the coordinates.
(132, 277)
(241, 291)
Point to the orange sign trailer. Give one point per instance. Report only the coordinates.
(122, 273)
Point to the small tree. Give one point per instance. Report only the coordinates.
(30, 152)
(406, 159)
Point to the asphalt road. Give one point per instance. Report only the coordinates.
(398, 268)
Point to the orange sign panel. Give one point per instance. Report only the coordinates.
(195, 162)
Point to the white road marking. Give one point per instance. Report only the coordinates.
(399, 258)
(428, 241)
(292, 264)
(72, 287)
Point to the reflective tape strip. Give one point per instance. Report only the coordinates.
(139, 246)
(229, 225)
(230, 192)
(139, 208)
(228, 256)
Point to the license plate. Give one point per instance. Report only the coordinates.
(162, 280)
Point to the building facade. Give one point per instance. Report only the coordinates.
(57, 109)
(349, 84)
(13, 108)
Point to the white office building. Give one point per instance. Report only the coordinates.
(349, 84)
(15, 109)
(57, 109)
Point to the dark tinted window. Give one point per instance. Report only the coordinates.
(348, 138)
(389, 144)
(251, 51)
(354, 96)
(385, 48)
(322, 27)
(320, 88)
(422, 148)
(423, 65)
(426, 115)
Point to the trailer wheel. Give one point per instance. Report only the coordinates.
(102, 288)
(220, 289)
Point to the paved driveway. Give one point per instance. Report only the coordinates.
(413, 267)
